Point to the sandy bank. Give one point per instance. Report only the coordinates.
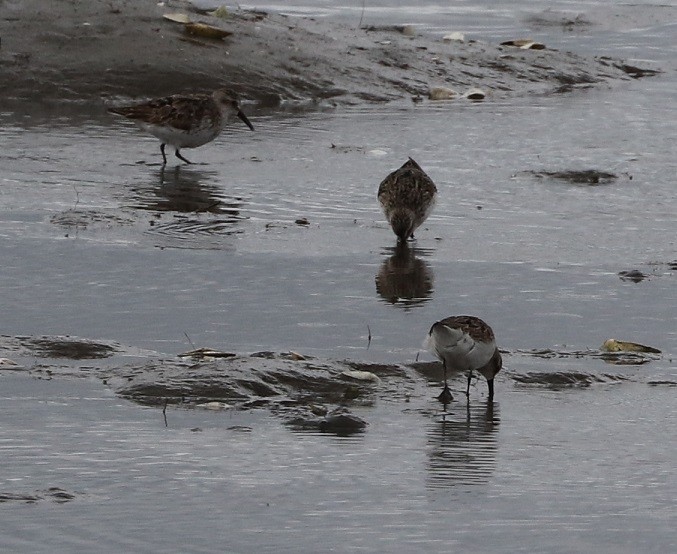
(83, 51)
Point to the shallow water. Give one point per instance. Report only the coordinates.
(517, 475)
(98, 242)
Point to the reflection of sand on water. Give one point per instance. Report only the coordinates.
(462, 446)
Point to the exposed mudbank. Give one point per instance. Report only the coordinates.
(307, 393)
(54, 51)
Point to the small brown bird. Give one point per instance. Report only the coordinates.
(185, 121)
(407, 197)
(465, 343)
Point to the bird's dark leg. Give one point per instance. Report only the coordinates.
(467, 391)
(178, 155)
(164, 158)
(445, 396)
(490, 382)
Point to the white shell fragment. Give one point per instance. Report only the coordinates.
(475, 94)
(177, 17)
(442, 93)
(361, 375)
(216, 406)
(524, 44)
(206, 353)
(613, 345)
(455, 36)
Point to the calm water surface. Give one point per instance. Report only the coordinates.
(98, 245)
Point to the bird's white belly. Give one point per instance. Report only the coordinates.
(460, 352)
(178, 138)
(464, 358)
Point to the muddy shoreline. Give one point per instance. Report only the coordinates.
(306, 392)
(89, 52)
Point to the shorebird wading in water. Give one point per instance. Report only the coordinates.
(465, 343)
(407, 197)
(185, 120)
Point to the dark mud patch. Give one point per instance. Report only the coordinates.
(309, 394)
(662, 383)
(340, 422)
(565, 379)
(72, 349)
(613, 358)
(47, 53)
(589, 177)
(632, 275)
(76, 219)
(636, 72)
(55, 494)
(264, 378)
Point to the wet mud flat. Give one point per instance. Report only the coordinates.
(305, 392)
(90, 52)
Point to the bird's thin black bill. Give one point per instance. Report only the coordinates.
(243, 117)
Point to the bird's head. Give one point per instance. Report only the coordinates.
(402, 223)
(228, 103)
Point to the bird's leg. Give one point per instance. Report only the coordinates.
(490, 382)
(467, 391)
(178, 155)
(164, 158)
(445, 396)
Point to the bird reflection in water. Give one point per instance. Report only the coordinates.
(190, 207)
(404, 279)
(462, 446)
(185, 190)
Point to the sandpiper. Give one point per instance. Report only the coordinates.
(185, 120)
(465, 343)
(407, 197)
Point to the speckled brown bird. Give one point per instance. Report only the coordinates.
(407, 197)
(185, 121)
(465, 343)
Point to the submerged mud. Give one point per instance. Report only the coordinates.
(55, 494)
(308, 392)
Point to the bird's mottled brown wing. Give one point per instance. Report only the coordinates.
(178, 111)
(472, 325)
(386, 185)
(407, 187)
